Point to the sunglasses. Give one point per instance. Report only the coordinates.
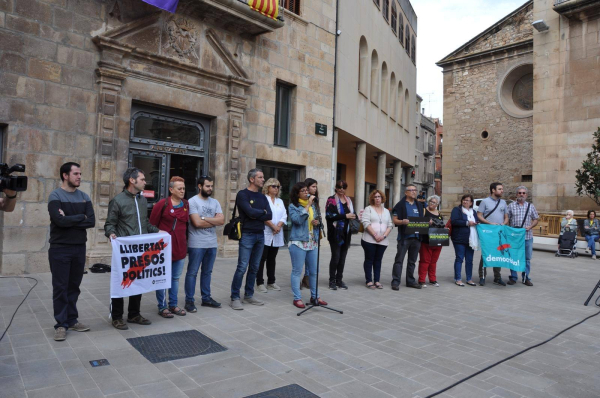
(275, 186)
(342, 187)
(521, 193)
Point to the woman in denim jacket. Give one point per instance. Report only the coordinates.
(303, 242)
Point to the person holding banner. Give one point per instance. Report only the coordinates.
(408, 243)
(464, 238)
(171, 214)
(127, 216)
(377, 222)
(429, 255)
(522, 214)
(492, 210)
(254, 211)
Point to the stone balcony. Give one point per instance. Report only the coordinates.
(577, 9)
(234, 15)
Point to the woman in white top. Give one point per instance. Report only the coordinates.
(273, 236)
(377, 222)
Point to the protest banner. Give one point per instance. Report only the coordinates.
(417, 225)
(140, 264)
(502, 246)
(439, 237)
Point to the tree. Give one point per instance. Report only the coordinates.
(588, 176)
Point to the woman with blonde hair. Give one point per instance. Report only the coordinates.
(273, 235)
(377, 222)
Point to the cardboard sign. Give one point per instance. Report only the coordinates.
(140, 264)
(417, 225)
(439, 237)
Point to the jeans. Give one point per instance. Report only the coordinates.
(67, 265)
(198, 256)
(528, 255)
(428, 257)
(591, 242)
(463, 252)
(410, 246)
(299, 258)
(268, 256)
(338, 260)
(373, 256)
(176, 270)
(250, 252)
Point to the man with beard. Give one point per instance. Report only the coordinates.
(522, 214)
(71, 213)
(205, 215)
(254, 211)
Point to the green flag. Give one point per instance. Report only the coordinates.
(502, 246)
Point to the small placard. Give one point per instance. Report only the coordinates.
(99, 362)
(148, 194)
(320, 129)
(439, 237)
(417, 225)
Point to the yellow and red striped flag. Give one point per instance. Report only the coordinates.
(270, 8)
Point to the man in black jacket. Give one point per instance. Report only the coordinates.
(254, 211)
(408, 206)
(71, 213)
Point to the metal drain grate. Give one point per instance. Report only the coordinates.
(177, 345)
(291, 391)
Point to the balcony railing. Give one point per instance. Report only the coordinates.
(429, 149)
(439, 151)
(438, 175)
(428, 178)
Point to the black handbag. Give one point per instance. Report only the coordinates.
(354, 225)
(233, 229)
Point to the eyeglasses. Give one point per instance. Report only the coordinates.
(304, 191)
(521, 193)
(377, 197)
(275, 186)
(342, 187)
(411, 190)
(433, 202)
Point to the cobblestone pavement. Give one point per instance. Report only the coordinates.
(406, 344)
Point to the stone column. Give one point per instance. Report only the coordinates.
(359, 181)
(398, 170)
(381, 163)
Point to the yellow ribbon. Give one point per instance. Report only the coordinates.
(311, 215)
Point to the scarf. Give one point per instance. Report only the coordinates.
(311, 213)
(341, 224)
(473, 237)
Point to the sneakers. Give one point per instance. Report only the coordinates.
(273, 286)
(60, 334)
(415, 286)
(190, 307)
(236, 304)
(481, 281)
(119, 324)
(587, 250)
(434, 284)
(528, 283)
(140, 320)
(211, 303)
(342, 285)
(332, 286)
(253, 301)
(79, 327)
(511, 282)
(499, 282)
(261, 288)
(594, 257)
(423, 284)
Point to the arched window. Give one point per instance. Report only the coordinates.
(393, 96)
(407, 45)
(406, 109)
(374, 78)
(400, 104)
(363, 67)
(401, 29)
(413, 50)
(394, 16)
(386, 9)
(385, 91)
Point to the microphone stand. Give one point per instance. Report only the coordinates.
(316, 301)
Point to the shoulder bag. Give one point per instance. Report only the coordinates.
(493, 210)
(233, 229)
(526, 213)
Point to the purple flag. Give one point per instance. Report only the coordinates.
(167, 5)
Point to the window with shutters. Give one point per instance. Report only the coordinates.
(291, 5)
(407, 45)
(283, 114)
(394, 16)
(386, 10)
(401, 29)
(413, 51)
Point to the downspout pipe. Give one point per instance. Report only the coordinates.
(334, 137)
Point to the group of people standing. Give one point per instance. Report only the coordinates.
(192, 226)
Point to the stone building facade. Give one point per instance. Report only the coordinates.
(110, 84)
(488, 110)
(439, 138)
(424, 153)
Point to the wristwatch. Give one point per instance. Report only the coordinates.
(202, 218)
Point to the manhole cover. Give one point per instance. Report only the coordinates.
(176, 345)
(291, 391)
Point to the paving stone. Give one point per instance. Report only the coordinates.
(34, 353)
(43, 373)
(221, 370)
(12, 387)
(64, 391)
